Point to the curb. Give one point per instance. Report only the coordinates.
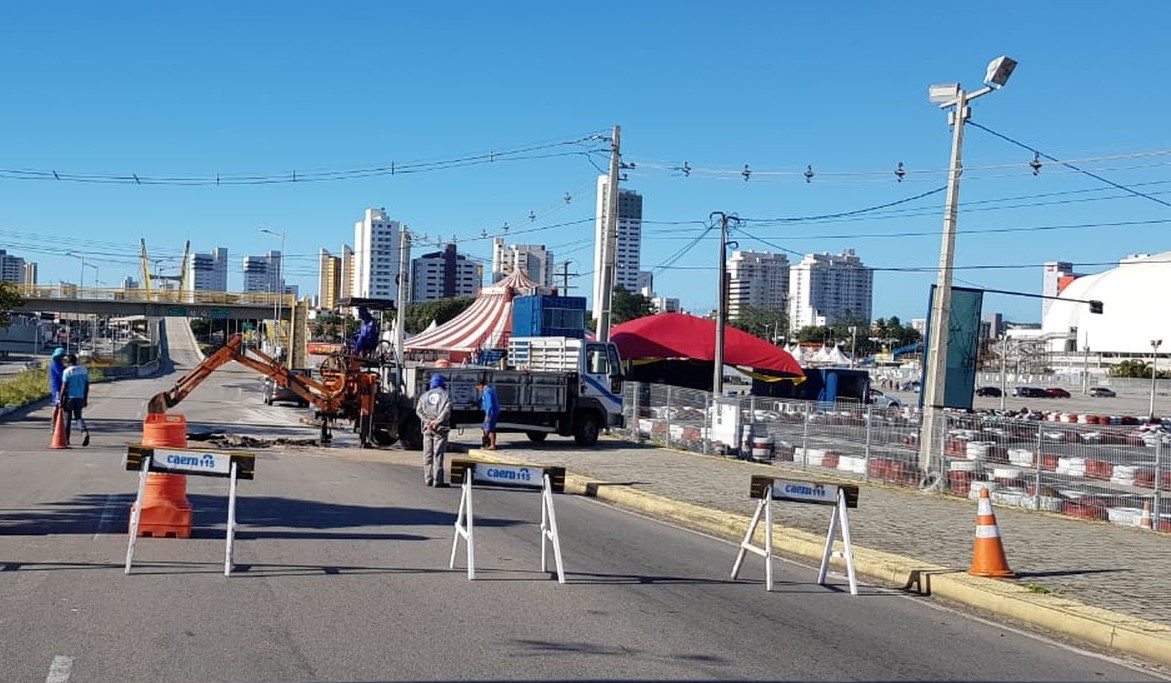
(1094, 625)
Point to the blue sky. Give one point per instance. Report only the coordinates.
(266, 89)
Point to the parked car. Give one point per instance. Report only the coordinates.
(1102, 392)
(1030, 392)
(273, 392)
(988, 391)
(883, 401)
(1057, 392)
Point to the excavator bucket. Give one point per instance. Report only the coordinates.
(158, 403)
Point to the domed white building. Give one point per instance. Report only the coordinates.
(1134, 313)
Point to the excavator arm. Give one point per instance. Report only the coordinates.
(328, 396)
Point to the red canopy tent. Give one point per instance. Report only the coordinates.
(486, 324)
(682, 336)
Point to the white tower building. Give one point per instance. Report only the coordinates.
(534, 259)
(628, 258)
(757, 280)
(209, 272)
(376, 256)
(824, 288)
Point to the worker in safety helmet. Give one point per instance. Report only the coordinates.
(366, 338)
(434, 411)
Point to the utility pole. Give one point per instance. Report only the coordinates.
(404, 295)
(721, 312)
(610, 239)
(565, 274)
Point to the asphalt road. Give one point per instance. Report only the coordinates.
(342, 575)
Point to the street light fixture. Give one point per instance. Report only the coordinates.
(1155, 344)
(949, 96)
(280, 283)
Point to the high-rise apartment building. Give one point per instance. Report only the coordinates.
(329, 279)
(346, 281)
(263, 273)
(208, 272)
(534, 259)
(825, 288)
(11, 268)
(757, 280)
(376, 256)
(444, 274)
(628, 246)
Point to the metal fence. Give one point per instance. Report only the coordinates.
(1087, 466)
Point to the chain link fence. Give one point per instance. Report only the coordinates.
(1085, 466)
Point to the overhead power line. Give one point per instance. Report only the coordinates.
(1068, 164)
(529, 152)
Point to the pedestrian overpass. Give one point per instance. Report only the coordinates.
(71, 299)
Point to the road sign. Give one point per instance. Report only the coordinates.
(219, 313)
(178, 311)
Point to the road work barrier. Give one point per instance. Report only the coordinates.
(164, 507)
(470, 473)
(153, 462)
(767, 489)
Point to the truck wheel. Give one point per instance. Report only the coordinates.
(585, 432)
(410, 433)
(537, 437)
(383, 438)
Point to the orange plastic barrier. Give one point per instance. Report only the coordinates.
(165, 509)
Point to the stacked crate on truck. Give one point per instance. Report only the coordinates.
(543, 315)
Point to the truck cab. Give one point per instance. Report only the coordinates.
(549, 385)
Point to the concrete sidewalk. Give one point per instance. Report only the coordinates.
(1103, 583)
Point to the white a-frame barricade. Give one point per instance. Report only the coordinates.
(470, 473)
(188, 461)
(768, 488)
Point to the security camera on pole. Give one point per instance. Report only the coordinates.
(949, 95)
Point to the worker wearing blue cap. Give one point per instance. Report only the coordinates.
(56, 371)
(434, 411)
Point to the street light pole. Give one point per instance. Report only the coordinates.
(1155, 344)
(955, 97)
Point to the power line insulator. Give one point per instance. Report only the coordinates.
(568, 197)
(686, 168)
(809, 173)
(900, 172)
(1035, 164)
(747, 172)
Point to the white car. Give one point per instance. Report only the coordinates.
(883, 401)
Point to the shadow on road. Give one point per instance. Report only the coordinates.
(256, 518)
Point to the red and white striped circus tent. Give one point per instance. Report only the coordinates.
(486, 324)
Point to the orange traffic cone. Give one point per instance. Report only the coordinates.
(165, 509)
(1145, 520)
(59, 440)
(988, 554)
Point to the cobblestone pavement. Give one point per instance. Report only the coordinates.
(1098, 564)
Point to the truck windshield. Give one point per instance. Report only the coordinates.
(596, 362)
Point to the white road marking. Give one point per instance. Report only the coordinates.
(107, 512)
(60, 670)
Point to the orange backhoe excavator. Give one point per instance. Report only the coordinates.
(349, 387)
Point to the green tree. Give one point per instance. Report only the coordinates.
(420, 314)
(10, 298)
(626, 306)
(1136, 368)
(761, 322)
